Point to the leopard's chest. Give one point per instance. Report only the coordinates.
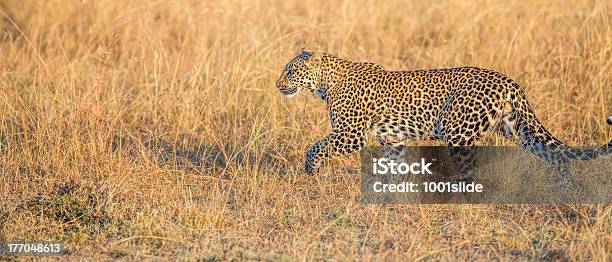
(321, 94)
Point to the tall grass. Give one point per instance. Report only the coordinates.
(153, 128)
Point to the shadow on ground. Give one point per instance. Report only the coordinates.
(198, 158)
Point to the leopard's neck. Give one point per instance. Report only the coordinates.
(333, 71)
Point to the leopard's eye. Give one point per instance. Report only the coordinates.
(290, 73)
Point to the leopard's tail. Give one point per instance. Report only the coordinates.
(534, 137)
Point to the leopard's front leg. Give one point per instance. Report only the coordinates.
(333, 144)
(316, 154)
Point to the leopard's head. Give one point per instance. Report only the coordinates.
(301, 73)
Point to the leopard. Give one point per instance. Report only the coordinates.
(457, 106)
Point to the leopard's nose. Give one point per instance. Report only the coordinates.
(279, 84)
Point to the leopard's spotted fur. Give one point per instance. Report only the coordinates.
(455, 105)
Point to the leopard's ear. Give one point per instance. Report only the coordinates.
(305, 54)
(314, 59)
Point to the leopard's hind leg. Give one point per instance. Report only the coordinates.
(465, 119)
(507, 125)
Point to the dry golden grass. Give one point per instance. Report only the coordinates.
(143, 129)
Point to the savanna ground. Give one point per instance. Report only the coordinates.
(147, 129)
